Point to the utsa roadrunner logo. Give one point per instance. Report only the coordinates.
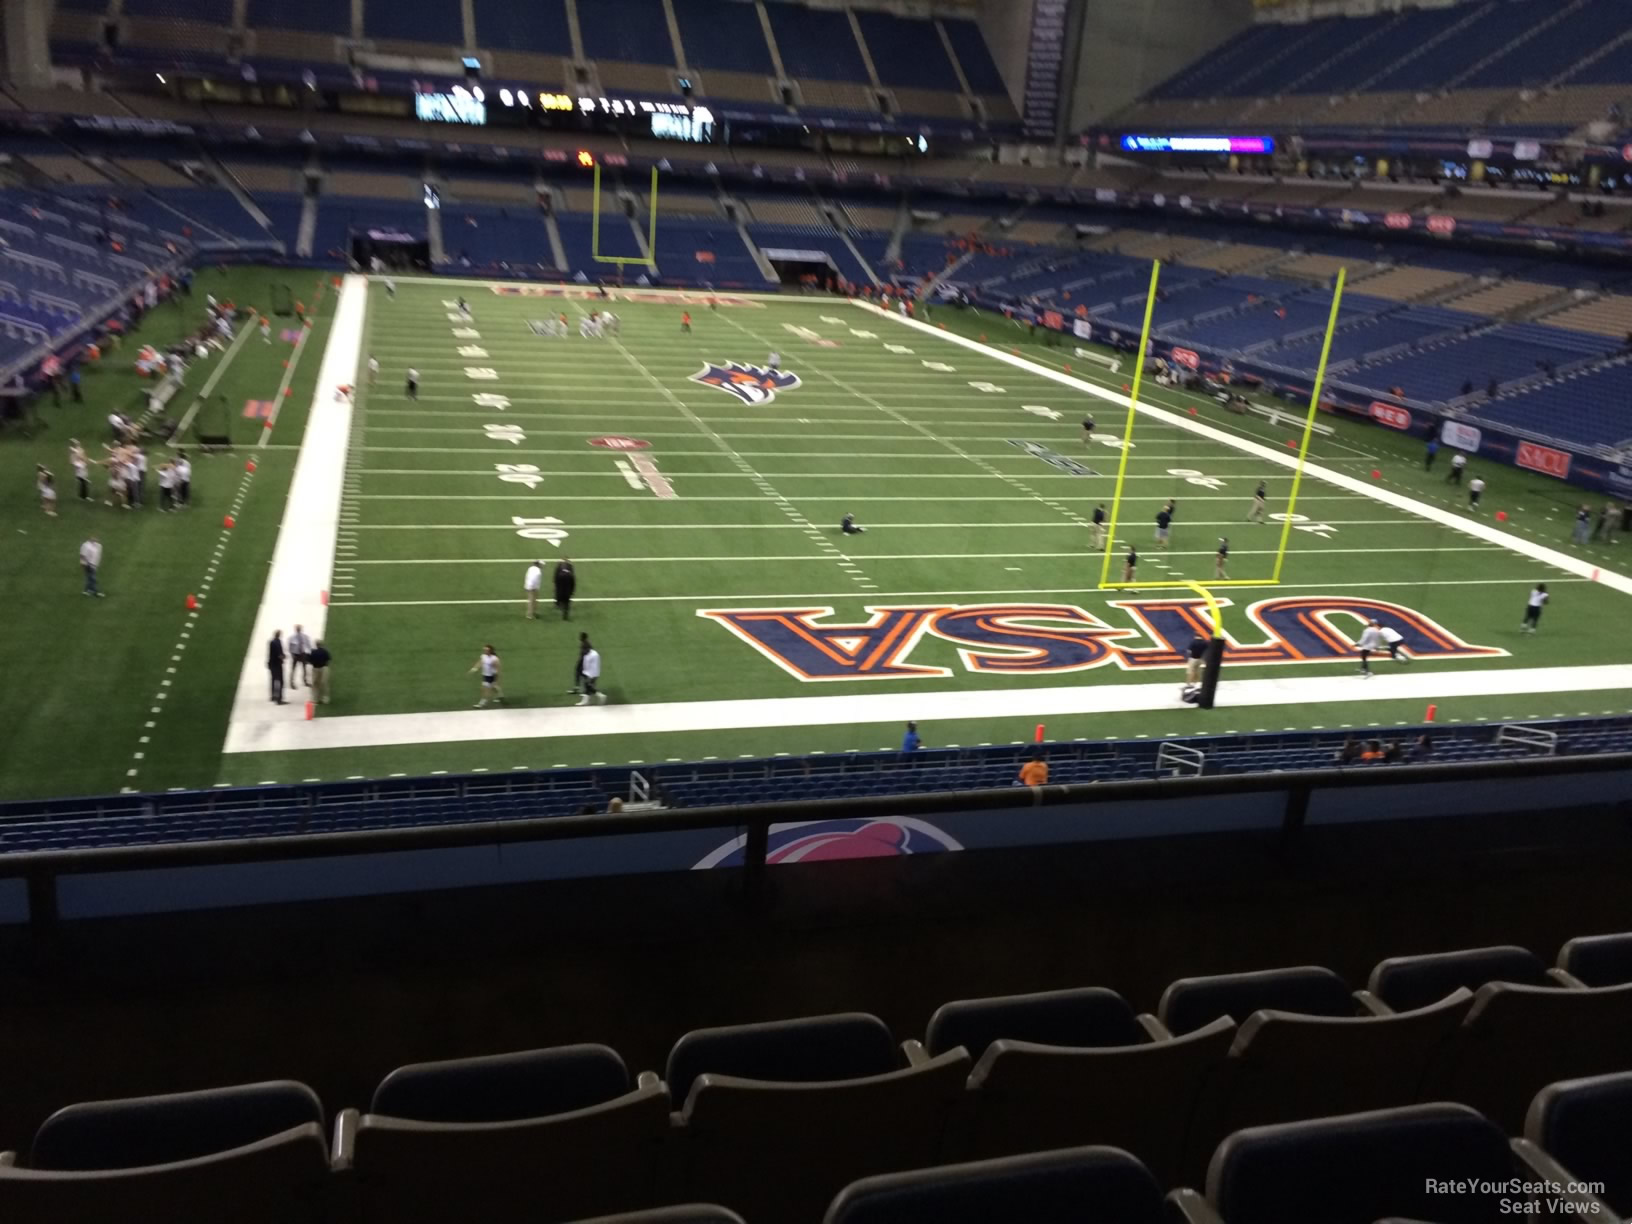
(1037, 639)
(750, 384)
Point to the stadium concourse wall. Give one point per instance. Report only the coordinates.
(45, 888)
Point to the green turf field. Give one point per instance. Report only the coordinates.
(967, 473)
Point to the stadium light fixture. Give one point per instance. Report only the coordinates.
(507, 97)
(585, 158)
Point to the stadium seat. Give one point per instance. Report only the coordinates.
(1357, 1169)
(689, 1213)
(1090, 1016)
(1025, 1097)
(829, 1100)
(1308, 990)
(1406, 983)
(1284, 1066)
(1515, 1040)
(1598, 960)
(844, 1046)
(474, 1147)
(254, 1152)
(1099, 1184)
(1582, 1125)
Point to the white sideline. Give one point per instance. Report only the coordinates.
(303, 560)
(469, 726)
(1457, 522)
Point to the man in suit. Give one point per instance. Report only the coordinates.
(274, 664)
(566, 582)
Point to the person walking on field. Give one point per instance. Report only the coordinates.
(300, 657)
(1221, 558)
(1099, 526)
(1532, 610)
(590, 668)
(274, 665)
(1259, 511)
(321, 658)
(565, 579)
(488, 664)
(1459, 463)
(90, 558)
(1431, 454)
(531, 584)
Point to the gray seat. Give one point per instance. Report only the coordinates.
(781, 1150)
(1406, 983)
(1358, 1168)
(255, 1153)
(1284, 1067)
(689, 1213)
(1086, 1017)
(1308, 990)
(549, 1147)
(1515, 1040)
(1088, 1185)
(1598, 960)
(1582, 1124)
(1026, 1097)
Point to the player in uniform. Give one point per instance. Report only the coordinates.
(1099, 526)
(848, 526)
(1130, 563)
(1221, 558)
(685, 322)
(1532, 610)
(1164, 526)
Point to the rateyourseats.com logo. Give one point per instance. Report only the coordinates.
(1519, 1197)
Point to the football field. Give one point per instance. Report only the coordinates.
(698, 492)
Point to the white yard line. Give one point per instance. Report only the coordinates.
(303, 560)
(290, 367)
(741, 600)
(471, 726)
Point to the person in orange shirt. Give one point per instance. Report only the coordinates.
(1034, 772)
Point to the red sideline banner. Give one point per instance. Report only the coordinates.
(1543, 459)
(1187, 357)
(1391, 415)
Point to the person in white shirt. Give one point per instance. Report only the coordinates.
(183, 482)
(774, 361)
(90, 560)
(1392, 640)
(488, 665)
(1459, 462)
(1476, 489)
(82, 468)
(589, 670)
(412, 389)
(531, 584)
(300, 657)
(1532, 611)
(390, 288)
(1370, 640)
(373, 368)
(167, 486)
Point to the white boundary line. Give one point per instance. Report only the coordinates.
(1537, 552)
(303, 559)
(469, 726)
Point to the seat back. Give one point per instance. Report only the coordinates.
(281, 1179)
(1090, 1016)
(1358, 1168)
(1284, 1067)
(781, 1151)
(1101, 1184)
(847, 1045)
(1583, 1125)
(590, 1161)
(503, 1087)
(688, 1213)
(1515, 1040)
(1309, 990)
(1406, 983)
(1031, 1098)
(1599, 960)
(154, 1130)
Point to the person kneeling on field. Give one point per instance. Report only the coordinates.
(848, 526)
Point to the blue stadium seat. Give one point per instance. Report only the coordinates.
(1099, 1184)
